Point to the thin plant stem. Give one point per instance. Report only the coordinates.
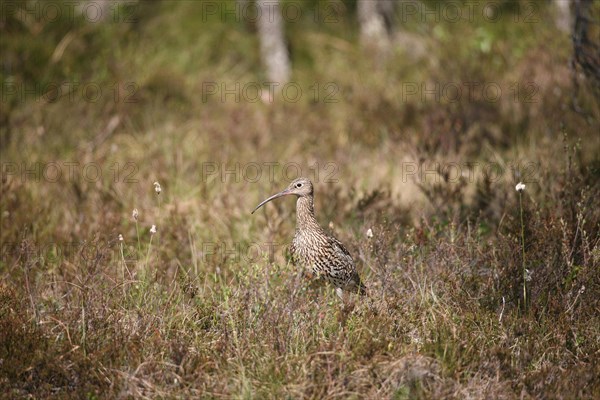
(29, 292)
(137, 231)
(123, 269)
(83, 329)
(523, 252)
(159, 213)
(148, 252)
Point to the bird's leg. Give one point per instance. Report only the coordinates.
(346, 303)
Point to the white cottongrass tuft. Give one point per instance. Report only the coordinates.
(120, 237)
(520, 187)
(157, 187)
(369, 233)
(153, 229)
(135, 214)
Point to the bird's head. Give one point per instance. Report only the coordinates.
(300, 187)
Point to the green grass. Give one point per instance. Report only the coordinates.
(209, 306)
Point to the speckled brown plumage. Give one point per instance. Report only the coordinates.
(313, 249)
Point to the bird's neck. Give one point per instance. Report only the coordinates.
(305, 214)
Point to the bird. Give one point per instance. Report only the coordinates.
(314, 249)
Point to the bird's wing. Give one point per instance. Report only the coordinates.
(343, 253)
(340, 249)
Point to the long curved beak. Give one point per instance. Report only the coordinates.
(282, 193)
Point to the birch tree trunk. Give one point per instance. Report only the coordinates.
(96, 10)
(375, 18)
(564, 18)
(273, 49)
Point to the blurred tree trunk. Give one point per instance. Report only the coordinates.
(564, 18)
(376, 22)
(273, 49)
(96, 10)
(586, 47)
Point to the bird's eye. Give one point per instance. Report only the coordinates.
(298, 185)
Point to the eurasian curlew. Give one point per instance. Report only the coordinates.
(315, 250)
